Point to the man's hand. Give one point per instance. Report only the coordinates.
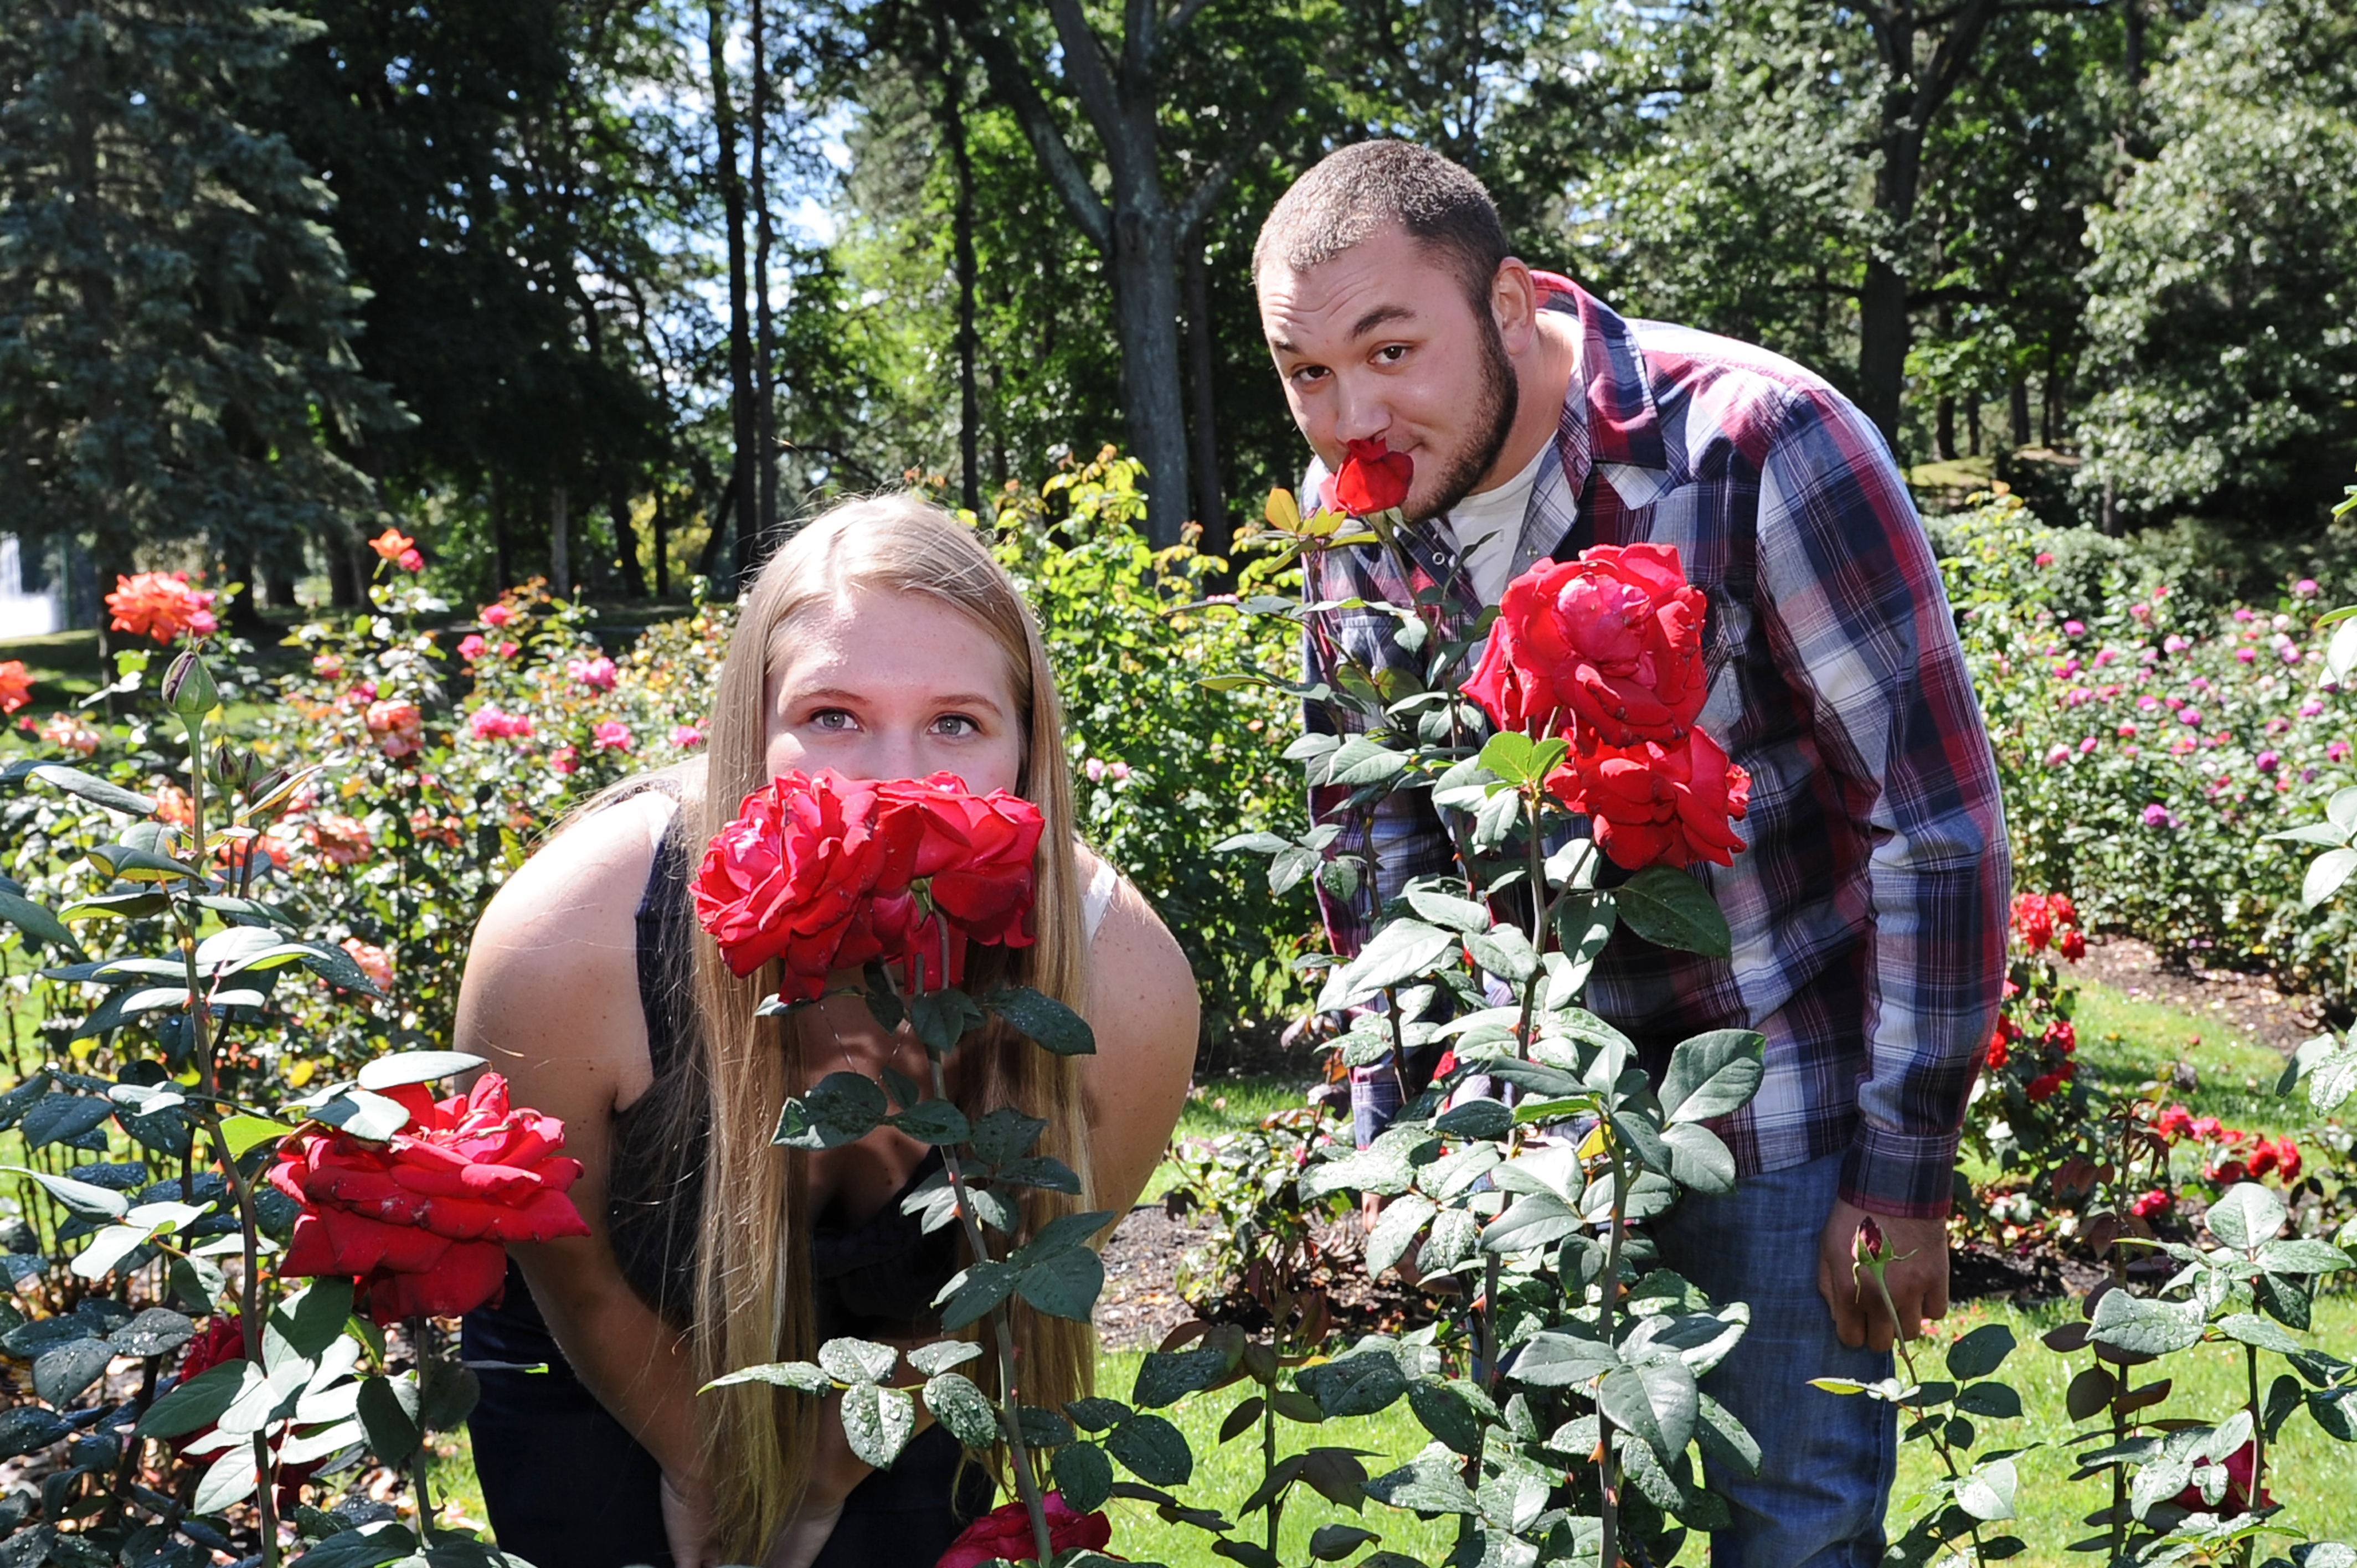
(1917, 1276)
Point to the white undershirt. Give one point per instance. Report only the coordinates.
(1489, 525)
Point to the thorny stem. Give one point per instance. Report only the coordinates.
(1010, 1420)
(249, 1225)
(1608, 1478)
(1268, 1460)
(1932, 1429)
(421, 1341)
(2258, 1447)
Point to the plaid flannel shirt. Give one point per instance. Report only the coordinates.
(1868, 911)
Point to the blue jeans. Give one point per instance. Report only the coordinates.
(1826, 1461)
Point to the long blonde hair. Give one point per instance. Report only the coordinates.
(752, 1279)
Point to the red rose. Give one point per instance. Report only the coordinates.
(2174, 1123)
(1867, 1248)
(2065, 913)
(2033, 920)
(791, 878)
(1657, 805)
(223, 1339)
(16, 686)
(1373, 478)
(2152, 1203)
(1996, 1053)
(2063, 1036)
(1614, 638)
(972, 854)
(2286, 1160)
(2072, 944)
(1006, 1532)
(2043, 1086)
(2236, 1499)
(423, 1219)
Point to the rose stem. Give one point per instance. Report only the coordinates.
(421, 1341)
(1010, 1411)
(199, 1017)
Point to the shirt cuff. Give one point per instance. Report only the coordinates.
(1905, 1175)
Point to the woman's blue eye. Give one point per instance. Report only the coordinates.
(831, 718)
(957, 724)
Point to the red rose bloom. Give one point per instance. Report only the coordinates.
(1657, 805)
(2032, 920)
(1006, 1532)
(422, 1221)
(972, 855)
(2152, 1203)
(2063, 1036)
(2287, 1160)
(1997, 1052)
(1373, 478)
(1614, 639)
(2072, 944)
(16, 686)
(2043, 1086)
(2065, 913)
(791, 878)
(2174, 1123)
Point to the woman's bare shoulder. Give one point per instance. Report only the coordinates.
(1146, 1012)
(552, 977)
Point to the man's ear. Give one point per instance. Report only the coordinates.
(1514, 305)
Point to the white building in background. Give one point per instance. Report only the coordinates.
(23, 614)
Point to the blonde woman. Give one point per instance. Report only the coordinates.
(882, 641)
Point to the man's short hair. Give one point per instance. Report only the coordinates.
(1370, 186)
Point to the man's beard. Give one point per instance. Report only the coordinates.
(1494, 419)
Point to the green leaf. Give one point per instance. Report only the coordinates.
(98, 791)
(198, 1402)
(2247, 1217)
(1447, 1412)
(242, 1133)
(941, 1019)
(406, 1068)
(1359, 1384)
(1085, 1477)
(974, 1291)
(2143, 1328)
(388, 1413)
(963, 1408)
(1997, 1400)
(849, 1361)
(1167, 1376)
(935, 1122)
(1401, 951)
(1989, 1494)
(364, 1546)
(1509, 756)
(1332, 1542)
(878, 1422)
(1429, 1483)
(2302, 1257)
(38, 924)
(80, 1198)
(803, 1377)
(1713, 1074)
(2326, 873)
(1533, 1220)
(2251, 1329)
(1005, 1134)
(943, 1354)
(154, 1331)
(842, 1108)
(1670, 908)
(1447, 910)
(1556, 1360)
(1980, 1353)
(230, 1478)
(1153, 1450)
(1402, 1221)
(1699, 1158)
(28, 1429)
(63, 1370)
(1064, 1284)
(1050, 1024)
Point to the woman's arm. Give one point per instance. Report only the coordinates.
(1146, 1016)
(551, 1001)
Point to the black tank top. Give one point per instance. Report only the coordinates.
(874, 1280)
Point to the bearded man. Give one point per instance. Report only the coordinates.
(1868, 912)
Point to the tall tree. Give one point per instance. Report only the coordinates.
(744, 418)
(175, 320)
(1139, 223)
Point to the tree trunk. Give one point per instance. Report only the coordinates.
(1146, 305)
(2018, 409)
(663, 543)
(1211, 506)
(560, 554)
(626, 540)
(952, 116)
(502, 578)
(1913, 92)
(741, 404)
(1972, 422)
(1944, 434)
(281, 589)
(765, 352)
(2049, 416)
